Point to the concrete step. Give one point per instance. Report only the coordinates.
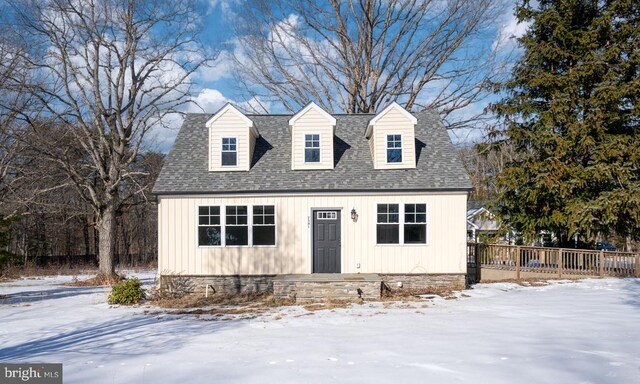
(328, 286)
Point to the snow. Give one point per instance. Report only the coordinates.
(564, 332)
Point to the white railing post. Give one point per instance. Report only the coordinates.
(560, 251)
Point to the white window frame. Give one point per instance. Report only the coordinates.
(274, 225)
(319, 148)
(401, 148)
(401, 223)
(326, 215)
(415, 214)
(248, 225)
(223, 151)
(223, 224)
(198, 225)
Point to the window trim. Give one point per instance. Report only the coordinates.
(249, 226)
(401, 148)
(319, 148)
(404, 222)
(275, 226)
(223, 151)
(198, 227)
(401, 223)
(223, 223)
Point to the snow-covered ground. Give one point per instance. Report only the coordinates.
(583, 332)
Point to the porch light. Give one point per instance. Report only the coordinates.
(354, 215)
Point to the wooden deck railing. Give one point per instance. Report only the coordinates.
(554, 260)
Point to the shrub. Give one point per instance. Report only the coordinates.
(127, 292)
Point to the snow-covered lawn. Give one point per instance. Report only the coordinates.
(583, 332)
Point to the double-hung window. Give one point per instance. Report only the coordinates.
(394, 148)
(236, 225)
(312, 148)
(415, 223)
(229, 151)
(209, 229)
(388, 227)
(264, 225)
(406, 226)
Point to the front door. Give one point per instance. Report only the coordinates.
(326, 241)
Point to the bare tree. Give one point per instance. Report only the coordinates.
(482, 161)
(13, 80)
(358, 55)
(108, 71)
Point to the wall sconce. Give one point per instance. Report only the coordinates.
(354, 215)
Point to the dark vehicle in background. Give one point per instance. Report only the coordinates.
(605, 246)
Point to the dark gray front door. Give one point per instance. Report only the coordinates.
(326, 241)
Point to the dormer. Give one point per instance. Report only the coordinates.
(312, 131)
(392, 140)
(232, 140)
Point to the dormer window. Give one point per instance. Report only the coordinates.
(232, 140)
(394, 148)
(312, 148)
(312, 132)
(392, 138)
(229, 152)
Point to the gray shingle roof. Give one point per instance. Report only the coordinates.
(186, 169)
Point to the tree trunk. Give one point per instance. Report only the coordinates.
(85, 234)
(106, 235)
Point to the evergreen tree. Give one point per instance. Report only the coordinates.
(571, 111)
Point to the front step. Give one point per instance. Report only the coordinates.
(328, 286)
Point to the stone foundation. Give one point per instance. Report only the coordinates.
(425, 282)
(315, 287)
(231, 284)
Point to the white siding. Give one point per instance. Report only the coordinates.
(312, 122)
(230, 124)
(445, 251)
(393, 123)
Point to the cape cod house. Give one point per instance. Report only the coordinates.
(246, 202)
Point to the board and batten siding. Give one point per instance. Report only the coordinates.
(230, 124)
(445, 251)
(312, 122)
(393, 123)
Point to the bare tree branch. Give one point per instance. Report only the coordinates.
(357, 56)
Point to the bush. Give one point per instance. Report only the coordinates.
(127, 292)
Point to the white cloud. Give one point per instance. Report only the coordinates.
(509, 31)
(221, 68)
(207, 101)
(226, 6)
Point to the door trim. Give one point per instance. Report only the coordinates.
(310, 217)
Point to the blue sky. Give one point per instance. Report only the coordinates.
(215, 86)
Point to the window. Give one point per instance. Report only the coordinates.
(327, 215)
(230, 225)
(264, 225)
(415, 223)
(209, 229)
(388, 227)
(311, 148)
(229, 151)
(406, 226)
(236, 225)
(394, 148)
